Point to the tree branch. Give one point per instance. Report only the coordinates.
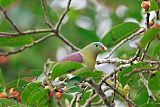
(97, 103)
(62, 16)
(97, 88)
(124, 41)
(145, 82)
(66, 41)
(46, 14)
(28, 32)
(74, 100)
(123, 61)
(10, 21)
(113, 73)
(60, 36)
(78, 99)
(90, 99)
(115, 90)
(27, 46)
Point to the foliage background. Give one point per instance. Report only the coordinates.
(86, 22)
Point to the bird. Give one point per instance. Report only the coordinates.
(87, 56)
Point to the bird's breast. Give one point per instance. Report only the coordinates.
(89, 61)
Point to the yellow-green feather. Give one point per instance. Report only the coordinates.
(89, 54)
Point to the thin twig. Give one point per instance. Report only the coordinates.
(62, 16)
(49, 83)
(123, 61)
(78, 99)
(145, 51)
(27, 46)
(113, 61)
(59, 103)
(66, 41)
(114, 86)
(97, 103)
(74, 100)
(10, 21)
(28, 32)
(145, 82)
(113, 73)
(124, 41)
(60, 36)
(136, 56)
(115, 90)
(73, 47)
(90, 99)
(98, 89)
(46, 14)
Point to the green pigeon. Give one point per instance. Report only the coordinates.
(87, 56)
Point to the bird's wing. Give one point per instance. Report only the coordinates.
(76, 57)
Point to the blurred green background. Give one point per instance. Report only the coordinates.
(87, 21)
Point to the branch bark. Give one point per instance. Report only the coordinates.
(124, 41)
(98, 89)
(10, 21)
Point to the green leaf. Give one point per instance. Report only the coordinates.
(123, 76)
(148, 36)
(65, 96)
(151, 104)
(86, 74)
(153, 5)
(29, 92)
(64, 67)
(7, 102)
(87, 34)
(1, 78)
(141, 96)
(73, 82)
(156, 49)
(119, 32)
(96, 75)
(5, 2)
(16, 84)
(15, 106)
(154, 84)
(73, 89)
(39, 96)
(44, 102)
(16, 41)
(86, 95)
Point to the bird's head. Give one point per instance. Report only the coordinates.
(95, 47)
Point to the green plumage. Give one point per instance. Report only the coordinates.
(87, 56)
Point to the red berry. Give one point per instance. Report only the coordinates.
(19, 98)
(50, 94)
(145, 5)
(3, 95)
(58, 95)
(3, 60)
(13, 93)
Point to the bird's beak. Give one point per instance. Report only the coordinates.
(104, 48)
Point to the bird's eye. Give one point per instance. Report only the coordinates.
(96, 45)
